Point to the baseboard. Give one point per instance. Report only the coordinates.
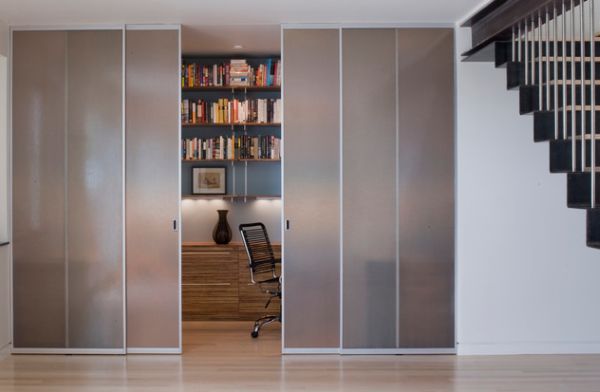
(310, 351)
(528, 348)
(154, 350)
(5, 351)
(398, 351)
(69, 351)
(368, 351)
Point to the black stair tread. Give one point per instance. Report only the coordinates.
(579, 189)
(593, 228)
(593, 244)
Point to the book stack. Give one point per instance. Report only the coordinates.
(208, 149)
(235, 73)
(264, 111)
(230, 148)
(239, 73)
(231, 111)
(268, 74)
(258, 147)
(199, 75)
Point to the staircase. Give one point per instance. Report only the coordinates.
(552, 58)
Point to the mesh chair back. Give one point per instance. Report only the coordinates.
(260, 253)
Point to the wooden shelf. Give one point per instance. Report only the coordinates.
(231, 160)
(215, 125)
(232, 88)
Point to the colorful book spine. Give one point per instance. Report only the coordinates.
(231, 148)
(236, 72)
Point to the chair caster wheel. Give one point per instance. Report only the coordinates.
(254, 334)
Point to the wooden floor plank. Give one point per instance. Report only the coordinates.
(221, 356)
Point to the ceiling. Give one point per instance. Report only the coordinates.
(256, 39)
(215, 26)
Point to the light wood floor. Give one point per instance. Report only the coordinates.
(223, 357)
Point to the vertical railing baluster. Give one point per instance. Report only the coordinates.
(547, 78)
(564, 69)
(513, 44)
(532, 51)
(555, 50)
(540, 63)
(573, 90)
(582, 76)
(592, 102)
(527, 46)
(520, 47)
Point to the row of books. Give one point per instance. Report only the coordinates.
(230, 111)
(233, 73)
(230, 148)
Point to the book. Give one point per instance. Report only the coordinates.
(232, 73)
(231, 111)
(231, 148)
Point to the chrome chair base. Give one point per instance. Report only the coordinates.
(261, 322)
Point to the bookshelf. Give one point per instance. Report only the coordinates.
(232, 88)
(233, 126)
(213, 125)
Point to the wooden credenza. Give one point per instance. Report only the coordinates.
(216, 284)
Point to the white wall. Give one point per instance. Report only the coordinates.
(4, 251)
(526, 282)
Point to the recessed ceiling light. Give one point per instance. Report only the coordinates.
(238, 47)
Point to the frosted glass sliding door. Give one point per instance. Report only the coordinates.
(152, 129)
(369, 188)
(39, 192)
(68, 191)
(311, 189)
(426, 188)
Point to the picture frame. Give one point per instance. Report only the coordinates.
(209, 180)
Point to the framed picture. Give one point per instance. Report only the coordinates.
(209, 180)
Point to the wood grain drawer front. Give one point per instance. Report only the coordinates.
(209, 267)
(209, 303)
(216, 284)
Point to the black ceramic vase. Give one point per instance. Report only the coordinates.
(222, 231)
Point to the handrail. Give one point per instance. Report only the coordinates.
(4, 243)
(495, 21)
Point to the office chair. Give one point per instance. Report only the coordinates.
(263, 272)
